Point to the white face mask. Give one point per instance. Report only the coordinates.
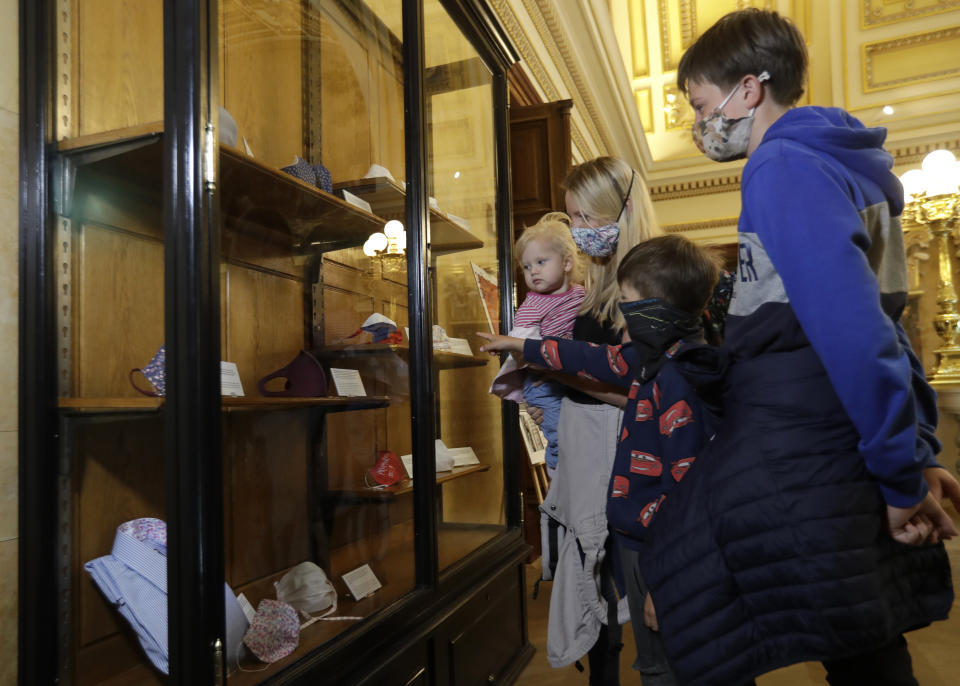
(721, 138)
(307, 588)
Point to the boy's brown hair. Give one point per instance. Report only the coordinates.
(673, 269)
(745, 42)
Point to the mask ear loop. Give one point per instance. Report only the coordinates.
(626, 196)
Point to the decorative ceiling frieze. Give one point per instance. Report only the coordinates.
(881, 12)
(913, 58)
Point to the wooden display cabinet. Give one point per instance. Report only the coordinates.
(153, 233)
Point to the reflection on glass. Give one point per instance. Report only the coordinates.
(317, 423)
(313, 315)
(463, 237)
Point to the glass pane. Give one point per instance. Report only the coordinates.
(108, 263)
(463, 238)
(311, 451)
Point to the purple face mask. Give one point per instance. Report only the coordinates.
(304, 378)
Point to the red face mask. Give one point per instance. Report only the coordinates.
(388, 470)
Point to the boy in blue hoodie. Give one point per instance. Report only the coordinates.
(665, 283)
(810, 529)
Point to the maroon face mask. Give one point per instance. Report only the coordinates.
(304, 378)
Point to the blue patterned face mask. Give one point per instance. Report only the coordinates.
(601, 241)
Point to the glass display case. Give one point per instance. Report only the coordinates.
(263, 237)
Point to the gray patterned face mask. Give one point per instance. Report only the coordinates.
(721, 138)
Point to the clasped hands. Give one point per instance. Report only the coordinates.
(927, 522)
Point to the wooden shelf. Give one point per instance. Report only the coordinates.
(394, 567)
(388, 199)
(255, 199)
(406, 486)
(92, 406)
(442, 358)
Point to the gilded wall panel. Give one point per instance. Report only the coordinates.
(911, 59)
(879, 12)
(677, 113)
(639, 47)
(643, 97)
(682, 21)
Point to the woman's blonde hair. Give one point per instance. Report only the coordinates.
(604, 188)
(553, 228)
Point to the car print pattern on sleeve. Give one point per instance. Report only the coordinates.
(645, 463)
(679, 414)
(680, 467)
(644, 411)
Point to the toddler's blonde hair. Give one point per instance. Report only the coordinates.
(553, 228)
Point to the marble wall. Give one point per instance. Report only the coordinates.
(9, 119)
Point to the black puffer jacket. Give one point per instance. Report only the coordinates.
(775, 549)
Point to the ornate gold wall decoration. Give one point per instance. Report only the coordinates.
(879, 12)
(639, 48)
(682, 21)
(644, 98)
(911, 59)
(677, 113)
(723, 223)
(696, 187)
(913, 154)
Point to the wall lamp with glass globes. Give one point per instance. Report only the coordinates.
(387, 247)
(932, 197)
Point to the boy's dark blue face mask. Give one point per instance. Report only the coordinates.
(654, 325)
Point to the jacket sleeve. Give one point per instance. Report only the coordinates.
(928, 445)
(804, 215)
(681, 433)
(608, 363)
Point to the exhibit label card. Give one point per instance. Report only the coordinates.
(355, 201)
(460, 346)
(347, 382)
(362, 582)
(463, 456)
(230, 380)
(407, 461)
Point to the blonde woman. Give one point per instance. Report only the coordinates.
(609, 209)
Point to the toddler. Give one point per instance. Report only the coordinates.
(549, 259)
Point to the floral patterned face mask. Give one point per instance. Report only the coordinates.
(601, 241)
(721, 138)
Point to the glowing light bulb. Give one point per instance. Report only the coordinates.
(887, 110)
(913, 184)
(377, 241)
(938, 169)
(393, 229)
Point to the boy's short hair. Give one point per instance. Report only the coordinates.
(749, 41)
(672, 268)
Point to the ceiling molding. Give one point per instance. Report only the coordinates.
(914, 153)
(571, 52)
(694, 187)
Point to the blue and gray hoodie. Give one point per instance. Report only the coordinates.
(822, 264)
